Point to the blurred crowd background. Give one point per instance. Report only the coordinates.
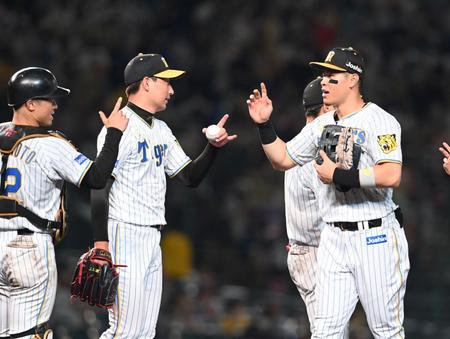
(224, 246)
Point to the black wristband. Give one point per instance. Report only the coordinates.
(267, 133)
(349, 178)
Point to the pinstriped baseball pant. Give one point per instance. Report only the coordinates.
(370, 265)
(27, 281)
(302, 265)
(136, 310)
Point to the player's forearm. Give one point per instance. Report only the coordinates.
(193, 174)
(388, 174)
(277, 155)
(100, 170)
(274, 147)
(379, 176)
(100, 211)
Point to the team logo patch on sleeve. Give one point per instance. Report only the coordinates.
(387, 142)
(81, 158)
(378, 239)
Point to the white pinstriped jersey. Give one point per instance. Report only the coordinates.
(146, 154)
(302, 207)
(379, 135)
(36, 171)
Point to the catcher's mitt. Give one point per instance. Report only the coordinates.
(93, 282)
(338, 143)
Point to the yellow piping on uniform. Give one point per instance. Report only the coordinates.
(180, 169)
(397, 258)
(84, 173)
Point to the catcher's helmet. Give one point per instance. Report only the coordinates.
(33, 83)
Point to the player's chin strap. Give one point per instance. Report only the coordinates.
(41, 331)
(11, 136)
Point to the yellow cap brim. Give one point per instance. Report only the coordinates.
(169, 74)
(326, 65)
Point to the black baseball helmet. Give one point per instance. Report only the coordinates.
(33, 83)
(312, 94)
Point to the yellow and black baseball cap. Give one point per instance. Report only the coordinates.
(149, 65)
(341, 59)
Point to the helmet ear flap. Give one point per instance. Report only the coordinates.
(32, 83)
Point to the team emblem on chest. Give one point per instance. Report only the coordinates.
(387, 142)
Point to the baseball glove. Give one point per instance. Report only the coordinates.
(93, 282)
(338, 143)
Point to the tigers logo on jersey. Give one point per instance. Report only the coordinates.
(387, 142)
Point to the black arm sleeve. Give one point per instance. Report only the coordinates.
(100, 170)
(193, 174)
(100, 210)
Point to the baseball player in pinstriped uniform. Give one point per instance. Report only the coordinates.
(35, 165)
(363, 251)
(445, 150)
(135, 198)
(303, 213)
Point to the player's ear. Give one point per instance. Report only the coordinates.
(354, 79)
(145, 84)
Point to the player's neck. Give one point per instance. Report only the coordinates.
(142, 103)
(24, 119)
(350, 106)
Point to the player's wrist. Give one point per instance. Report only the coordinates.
(367, 177)
(114, 132)
(103, 245)
(354, 178)
(346, 178)
(267, 134)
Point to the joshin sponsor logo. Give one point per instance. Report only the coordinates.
(378, 239)
(354, 67)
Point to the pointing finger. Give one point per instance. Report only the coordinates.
(117, 105)
(103, 117)
(223, 120)
(263, 90)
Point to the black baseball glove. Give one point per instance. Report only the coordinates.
(338, 143)
(94, 282)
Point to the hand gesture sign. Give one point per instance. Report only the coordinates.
(259, 105)
(116, 119)
(222, 137)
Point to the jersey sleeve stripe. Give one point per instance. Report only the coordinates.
(181, 168)
(84, 173)
(382, 161)
(293, 158)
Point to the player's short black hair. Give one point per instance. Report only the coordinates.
(133, 88)
(313, 111)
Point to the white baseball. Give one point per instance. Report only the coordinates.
(212, 132)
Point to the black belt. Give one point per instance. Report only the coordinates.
(158, 227)
(366, 224)
(24, 231)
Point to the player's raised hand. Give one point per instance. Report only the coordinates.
(325, 171)
(116, 119)
(259, 105)
(221, 138)
(445, 150)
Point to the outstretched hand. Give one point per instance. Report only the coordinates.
(259, 105)
(222, 137)
(445, 150)
(116, 119)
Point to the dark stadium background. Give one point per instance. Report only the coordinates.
(237, 284)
